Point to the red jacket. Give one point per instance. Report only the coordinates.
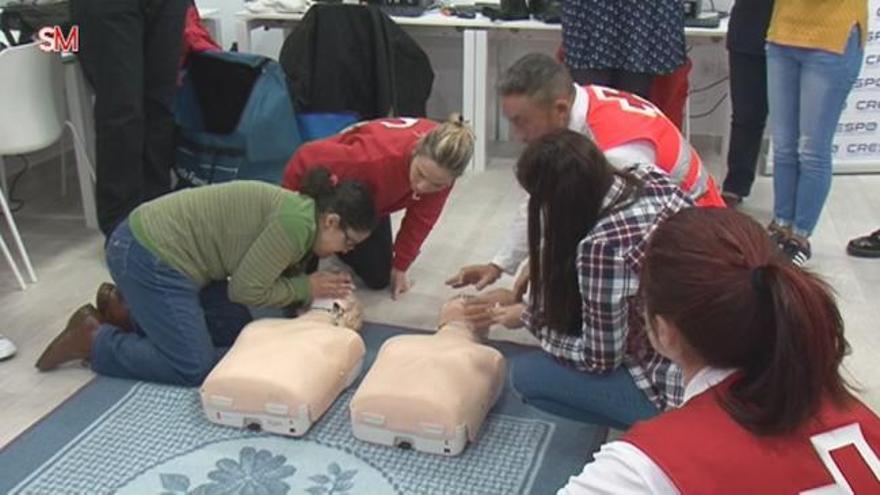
(616, 117)
(704, 451)
(378, 153)
(195, 37)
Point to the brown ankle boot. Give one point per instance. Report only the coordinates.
(112, 309)
(74, 342)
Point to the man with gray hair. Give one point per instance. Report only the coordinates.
(538, 96)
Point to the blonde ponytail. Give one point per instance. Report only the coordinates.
(450, 145)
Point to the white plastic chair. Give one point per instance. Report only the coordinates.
(30, 120)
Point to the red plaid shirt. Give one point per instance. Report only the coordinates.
(608, 264)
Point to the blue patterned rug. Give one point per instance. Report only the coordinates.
(118, 436)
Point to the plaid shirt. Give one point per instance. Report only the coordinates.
(608, 264)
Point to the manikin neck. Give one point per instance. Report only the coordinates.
(458, 330)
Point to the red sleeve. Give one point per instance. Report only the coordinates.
(417, 223)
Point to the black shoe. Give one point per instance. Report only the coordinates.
(731, 199)
(798, 252)
(867, 246)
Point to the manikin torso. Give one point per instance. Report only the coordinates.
(441, 381)
(277, 366)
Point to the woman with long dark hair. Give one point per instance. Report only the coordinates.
(588, 224)
(190, 263)
(760, 343)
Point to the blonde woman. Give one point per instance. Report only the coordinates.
(409, 164)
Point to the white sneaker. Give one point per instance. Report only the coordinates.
(7, 348)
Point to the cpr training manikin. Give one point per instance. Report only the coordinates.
(282, 375)
(430, 392)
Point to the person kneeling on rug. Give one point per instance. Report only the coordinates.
(430, 392)
(760, 343)
(282, 375)
(588, 224)
(189, 263)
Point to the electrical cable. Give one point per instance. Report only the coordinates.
(16, 204)
(710, 85)
(711, 110)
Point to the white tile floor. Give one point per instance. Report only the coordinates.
(68, 259)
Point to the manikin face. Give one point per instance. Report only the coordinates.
(332, 238)
(425, 176)
(530, 120)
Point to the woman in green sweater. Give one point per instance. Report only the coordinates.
(189, 264)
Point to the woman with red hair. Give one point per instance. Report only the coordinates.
(760, 344)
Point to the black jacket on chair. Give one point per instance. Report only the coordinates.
(355, 58)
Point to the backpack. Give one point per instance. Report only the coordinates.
(235, 120)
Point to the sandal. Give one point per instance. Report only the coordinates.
(867, 246)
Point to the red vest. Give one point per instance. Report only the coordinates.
(616, 118)
(704, 451)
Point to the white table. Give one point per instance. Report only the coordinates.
(475, 53)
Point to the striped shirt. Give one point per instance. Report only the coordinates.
(609, 260)
(253, 234)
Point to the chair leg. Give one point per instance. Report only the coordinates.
(17, 238)
(4, 187)
(12, 264)
(63, 167)
(86, 174)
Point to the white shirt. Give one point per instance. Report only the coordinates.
(515, 248)
(621, 467)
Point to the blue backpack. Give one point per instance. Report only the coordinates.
(235, 120)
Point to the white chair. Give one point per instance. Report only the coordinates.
(30, 120)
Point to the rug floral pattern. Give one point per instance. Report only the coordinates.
(156, 441)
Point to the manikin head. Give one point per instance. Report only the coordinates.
(537, 94)
(346, 313)
(454, 323)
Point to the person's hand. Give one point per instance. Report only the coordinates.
(522, 283)
(470, 310)
(509, 316)
(477, 312)
(330, 285)
(400, 284)
(502, 297)
(479, 276)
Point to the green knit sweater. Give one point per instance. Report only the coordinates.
(252, 233)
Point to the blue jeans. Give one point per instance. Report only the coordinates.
(181, 329)
(610, 399)
(806, 90)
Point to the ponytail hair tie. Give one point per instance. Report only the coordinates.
(759, 279)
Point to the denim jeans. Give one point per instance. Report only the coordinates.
(181, 329)
(610, 399)
(807, 90)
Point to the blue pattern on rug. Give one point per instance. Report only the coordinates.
(117, 436)
(173, 449)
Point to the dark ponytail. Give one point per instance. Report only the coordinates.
(716, 276)
(350, 199)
